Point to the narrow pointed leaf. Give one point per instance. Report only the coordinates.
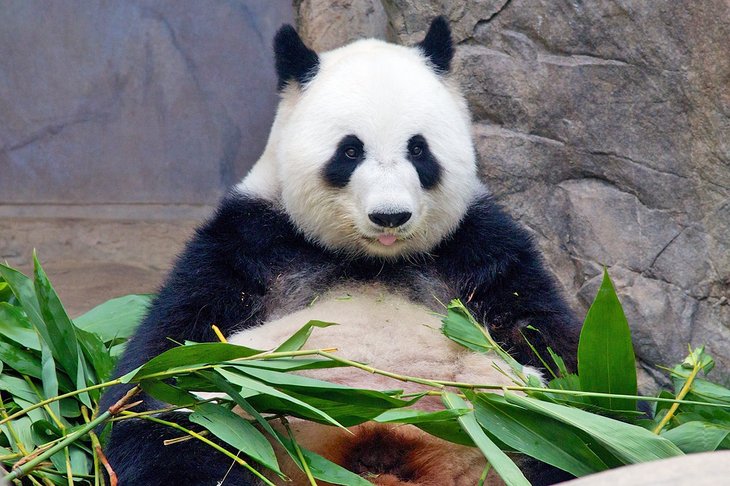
(251, 384)
(237, 432)
(698, 436)
(192, 355)
(629, 443)
(57, 329)
(299, 338)
(116, 318)
(505, 467)
(606, 361)
(540, 437)
(15, 326)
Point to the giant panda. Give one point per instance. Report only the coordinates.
(367, 189)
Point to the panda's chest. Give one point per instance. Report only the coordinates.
(382, 329)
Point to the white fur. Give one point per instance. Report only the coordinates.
(386, 331)
(384, 94)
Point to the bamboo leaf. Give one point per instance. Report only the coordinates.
(698, 436)
(505, 467)
(15, 326)
(237, 432)
(299, 338)
(293, 364)
(193, 355)
(606, 361)
(538, 436)
(58, 331)
(24, 291)
(20, 360)
(257, 386)
(116, 318)
(411, 416)
(50, 378)
(629, 443)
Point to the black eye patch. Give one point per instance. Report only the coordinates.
(427, 167)
(348, 155)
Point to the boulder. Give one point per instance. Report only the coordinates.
(604, 127)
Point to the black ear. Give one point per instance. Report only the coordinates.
(294, 60)
(438, 46)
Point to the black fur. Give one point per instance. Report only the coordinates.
(294, 60)
(339, 169)
(438, 46)
(225, 272)
(428, 168)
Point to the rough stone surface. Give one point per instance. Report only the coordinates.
(133, 101)
(604, 127)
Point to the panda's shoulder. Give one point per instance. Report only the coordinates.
(487, 233)
(245, 236)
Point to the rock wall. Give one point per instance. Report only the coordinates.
(135, 101)
(603, 126)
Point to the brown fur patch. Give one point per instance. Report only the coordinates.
(389, 455)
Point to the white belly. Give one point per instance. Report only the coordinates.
(384, 330)
(388, 332)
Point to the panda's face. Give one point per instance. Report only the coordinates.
(374, 155)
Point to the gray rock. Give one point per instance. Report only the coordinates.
(604, 127)
(344, 21)
(137, 101)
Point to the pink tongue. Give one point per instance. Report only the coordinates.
(387, 240)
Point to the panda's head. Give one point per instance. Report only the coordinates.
(371, 150)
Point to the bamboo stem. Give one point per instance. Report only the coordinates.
(43, 403)
(30, 465)
(685, 389)
(305, 466)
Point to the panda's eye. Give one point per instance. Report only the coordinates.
(415, 150)
(352, 153)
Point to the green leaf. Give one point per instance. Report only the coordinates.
(292, 364)
(21, 361)
(44, 431)
(96, 354)
(698, 436)
(24, 291)
(606, 361)
(411, 416)
(168, 393)
(458, 327)
(116, 318)
(14, 325)
(299, 338)
(237, 432)
(537, 436)
(194, 355)
(629, 443)
(505, 467)
(562, 369)
(18, 388)
(347, 405)
(442, 424)
(461, 327)
(50, 378)
(250, 384)
(58, 331)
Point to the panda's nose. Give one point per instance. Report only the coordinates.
(389, 220)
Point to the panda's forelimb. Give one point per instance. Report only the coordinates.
(495, 268)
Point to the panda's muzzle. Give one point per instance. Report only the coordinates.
(390, 220)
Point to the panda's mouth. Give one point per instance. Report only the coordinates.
(387, 239)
